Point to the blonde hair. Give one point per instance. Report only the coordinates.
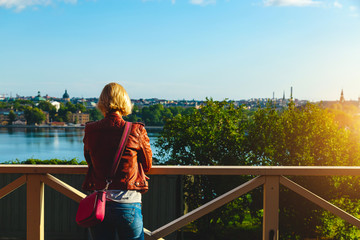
(114, 98)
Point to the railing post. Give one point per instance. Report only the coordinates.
(34, 207)
(271, 208)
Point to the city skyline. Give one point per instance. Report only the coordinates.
(172, 49)
(289, 96)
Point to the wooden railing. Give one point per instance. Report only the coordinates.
(270, 177)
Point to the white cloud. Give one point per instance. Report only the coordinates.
(19, 5)
(202, 2)
(353, 8)
(295, 3)
(354, 11)
(337, 4)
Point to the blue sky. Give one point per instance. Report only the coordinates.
(181, 49)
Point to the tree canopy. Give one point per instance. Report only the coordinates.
(220, 133)
(34, 115)
(155, 115)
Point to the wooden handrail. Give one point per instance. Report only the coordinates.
(196, 170)
(35, 176)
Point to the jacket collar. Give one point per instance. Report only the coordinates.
(114, 117)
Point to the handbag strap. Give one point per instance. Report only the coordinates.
(119, 153)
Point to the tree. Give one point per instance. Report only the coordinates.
(46, 106)
(12, 117)
(64, 113)
(212, 135)
(176, 110)
(3, 105)
(34, 116)
(21, 105)
(67, 117)
(80, 107)
(71, 107)
(95, 114)
(153, 115)
(221, 134)
(132, 118)
(333, 227)
(306, 136)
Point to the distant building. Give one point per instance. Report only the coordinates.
(342, 99)
(19, 122)
(38, 98)
(56, 105)
(58, 124)
(93, 104)
(47, 118)
(66, 96)
(80, 118)
(4, 116)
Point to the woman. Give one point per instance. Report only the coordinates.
(123, 207)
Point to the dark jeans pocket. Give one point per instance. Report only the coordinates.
(128, 214)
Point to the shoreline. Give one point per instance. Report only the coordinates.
(67, 127)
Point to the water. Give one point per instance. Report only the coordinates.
(45, 143)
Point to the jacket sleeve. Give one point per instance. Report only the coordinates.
(145, 154)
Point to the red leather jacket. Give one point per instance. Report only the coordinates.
(101, 141)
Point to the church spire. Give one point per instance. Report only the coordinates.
(342, 99)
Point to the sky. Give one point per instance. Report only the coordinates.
(181, 49)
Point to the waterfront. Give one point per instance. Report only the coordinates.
(45, 143)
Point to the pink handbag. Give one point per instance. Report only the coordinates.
(91, 210)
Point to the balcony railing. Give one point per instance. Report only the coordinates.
(35, 176)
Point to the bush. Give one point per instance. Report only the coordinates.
(53, 161)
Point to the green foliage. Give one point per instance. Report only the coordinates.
(46, 106)
(34, 115)
(64, 114)
(80, 107)
(153, 115)
(12, 117)
(3, 105)
(17, 105)
(156, 115)
(334, 227)
(221, 134)
(53, 161)
(306, 136)
(95, 114)
(65, 111)
(212, 135)
(70, 107)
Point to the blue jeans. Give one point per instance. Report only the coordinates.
(121, 219)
